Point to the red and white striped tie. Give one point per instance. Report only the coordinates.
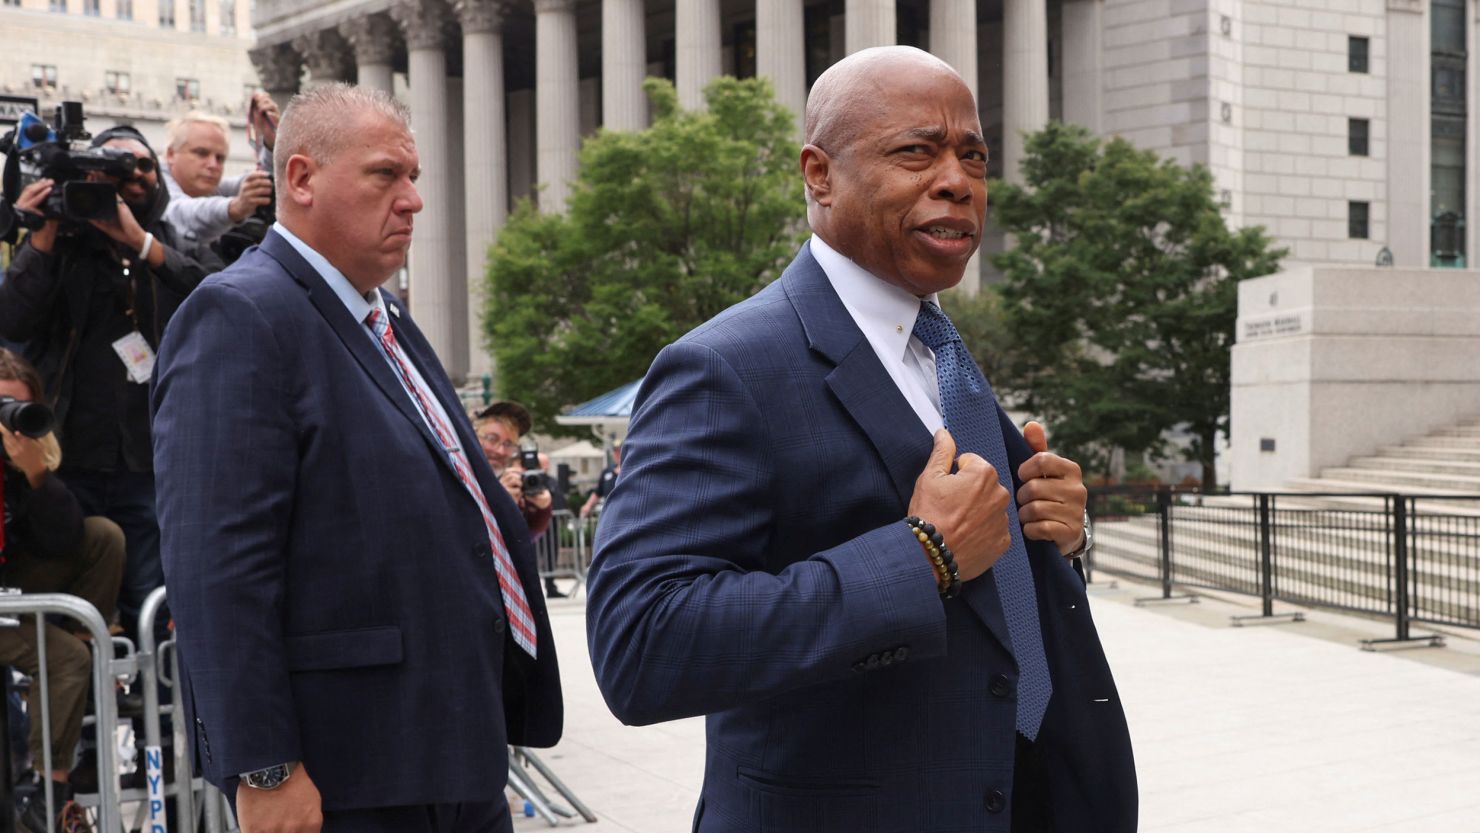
(516, 605)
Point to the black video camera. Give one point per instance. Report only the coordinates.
(535, 481)
(36, 150)
(33, 419)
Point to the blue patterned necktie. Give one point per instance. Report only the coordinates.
(970, 411)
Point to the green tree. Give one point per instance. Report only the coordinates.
(664, 228)
(1120, 296)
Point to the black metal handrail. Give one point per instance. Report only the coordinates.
(1415, 558)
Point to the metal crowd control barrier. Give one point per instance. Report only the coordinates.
(1414, 558)
(564, 550)
(106, 668)
(521, 760)
(153, 660)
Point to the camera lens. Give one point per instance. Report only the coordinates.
(143, 164)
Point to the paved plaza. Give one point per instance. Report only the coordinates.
(1269, 728)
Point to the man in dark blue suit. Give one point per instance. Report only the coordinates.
(769, 557)
(357, 604)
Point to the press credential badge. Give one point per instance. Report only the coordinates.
(137, 356)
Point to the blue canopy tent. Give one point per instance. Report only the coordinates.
(607, 414)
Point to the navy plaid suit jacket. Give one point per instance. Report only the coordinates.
(330, 577)
(752, 565)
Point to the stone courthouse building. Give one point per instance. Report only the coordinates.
(1341, 125)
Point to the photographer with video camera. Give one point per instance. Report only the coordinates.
(500, 428)
(47, 546)
(203, 206)
(90, 295)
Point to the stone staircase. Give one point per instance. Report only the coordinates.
(1329, 548)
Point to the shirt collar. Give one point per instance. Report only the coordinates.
(359, 306)
(886, 313)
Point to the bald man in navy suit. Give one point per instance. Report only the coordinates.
(761, 560)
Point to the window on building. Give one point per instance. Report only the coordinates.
(187, 89)
(44, 76)
(228, 17)
(743, 43)
(59, 6)
(1448, 131)
(125, 9)
(1357, 131)
(117, 82)
(1356, 53)
(817, 21)
(12, 2)
(1357, 226)
(197, 15)
(91, 8)
(167, 14)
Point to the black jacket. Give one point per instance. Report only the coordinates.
(45, 522)
(69, 306)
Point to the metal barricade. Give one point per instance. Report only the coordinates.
(152, 661)
(564, 551)
(105, 669)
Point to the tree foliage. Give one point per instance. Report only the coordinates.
(664, 228)
(1120, 296)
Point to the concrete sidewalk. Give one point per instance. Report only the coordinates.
(1270, 728)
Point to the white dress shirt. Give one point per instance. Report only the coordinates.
(886, 314)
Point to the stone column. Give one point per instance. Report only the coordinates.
(623, 61)
(870, 23)
(953, 36)
(327, 55)
(780, 52)
(278, 68)
(1408, 123)
(437, 313)
(1083, 65)
(557, 101)
(485, 151)
(1024, 78)
(696, 49)
(374, 39)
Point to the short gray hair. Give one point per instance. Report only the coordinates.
(178, 128)
(317, 123)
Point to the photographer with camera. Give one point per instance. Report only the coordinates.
(202, 205)
(49, 547)
(90, 298)
(500, 427)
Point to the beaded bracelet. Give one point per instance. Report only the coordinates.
(947, 577)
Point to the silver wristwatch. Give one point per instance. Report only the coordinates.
(1089, 539)
(267, 779)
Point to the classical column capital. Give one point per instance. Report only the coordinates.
(425, 22)
(278, 67)
(480, 15)
(374, 38)
(327, 55)
(542, 6)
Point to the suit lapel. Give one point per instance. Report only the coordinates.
(867, 392)
(858, 379)
(351, 334)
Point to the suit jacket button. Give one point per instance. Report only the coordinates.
(996, 801)
(1000, 686)
(498, 625)
(859, 666)
(481, 551)
(901, 653)
(872, 662)
(886, 658)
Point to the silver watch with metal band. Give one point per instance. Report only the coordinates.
(267, 779)
(1089, 539)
